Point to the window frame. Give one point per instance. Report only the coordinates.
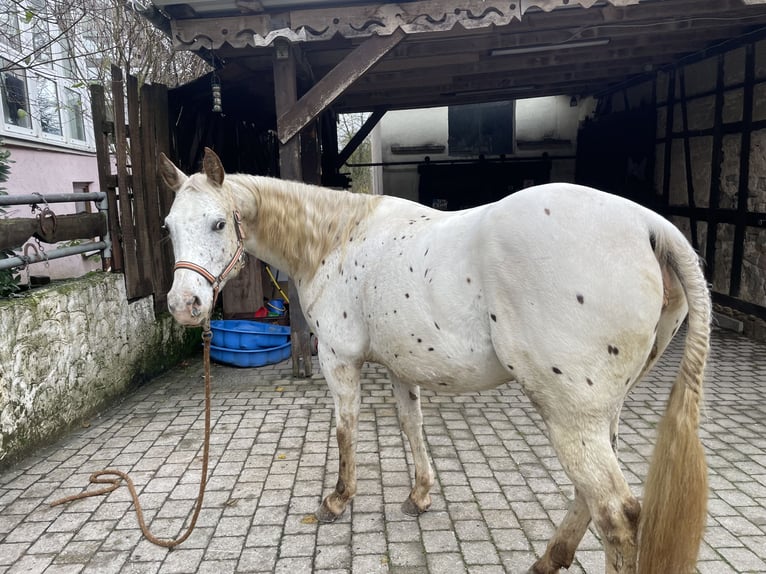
(5, 102)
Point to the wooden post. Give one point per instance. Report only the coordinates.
(144, 213)
(106, 181)
(136, 284)
(286, 94)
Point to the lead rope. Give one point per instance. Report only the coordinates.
(119, 476)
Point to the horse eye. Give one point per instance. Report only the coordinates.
(219, 225)
(164, 229)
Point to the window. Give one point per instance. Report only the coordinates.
(48, 106)
(41, 36)
(10, 34)
(39, 100)
(15, 98)
(75, 117)
(481, 129)
(82, 206)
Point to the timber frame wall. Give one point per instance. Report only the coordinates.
(710, 162)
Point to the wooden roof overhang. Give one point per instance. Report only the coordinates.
(301, 57)
(361, 56)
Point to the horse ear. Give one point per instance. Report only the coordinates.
(213, 167)
(173, 177)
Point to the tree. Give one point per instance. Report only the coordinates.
(81, 39)
(361, 176)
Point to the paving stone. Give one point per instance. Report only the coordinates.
(499, 489)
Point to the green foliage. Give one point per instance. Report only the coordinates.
(9, 281)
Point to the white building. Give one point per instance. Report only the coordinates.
(44, 118)
(516, 131)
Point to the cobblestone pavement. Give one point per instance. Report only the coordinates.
(499, 489)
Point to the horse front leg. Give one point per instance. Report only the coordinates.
(411, 421)
(344, 382)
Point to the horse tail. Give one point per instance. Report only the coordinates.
(674, 511)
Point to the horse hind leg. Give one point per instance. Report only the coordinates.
(561, 548)
(411, 421)
(591, 463)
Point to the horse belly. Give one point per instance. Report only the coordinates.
(447, 362)
(445, 374)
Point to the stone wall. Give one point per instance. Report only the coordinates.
(67, 350)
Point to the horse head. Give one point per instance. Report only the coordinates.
(206, 233)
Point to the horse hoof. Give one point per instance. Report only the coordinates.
(539, 568)
(326, 515)
(411, 509)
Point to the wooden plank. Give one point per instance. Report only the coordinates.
(329, 134)
(295, 116)
(738, 251)
(141, 205)
(310, 156)
(153, 218)
(715, 173)
(670, 102)
(243, 294)
(132, 273)
(72, 226)
(107, 181)
(286, 94)
(16, 232)
(688, 158)
(127, 237)
(165, 195)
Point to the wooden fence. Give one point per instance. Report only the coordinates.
(138, 200)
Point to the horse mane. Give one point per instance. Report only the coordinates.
(299, 222)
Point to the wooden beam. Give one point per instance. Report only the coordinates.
(15, 232)
(107, 181)
(136, 284)
(359, 136)
(687, 158)
(297, 116)
(715, 171)
(670, 106)
(738, 250)
(143, 215)
(285, 96)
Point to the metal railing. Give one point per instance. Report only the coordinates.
(36, 199)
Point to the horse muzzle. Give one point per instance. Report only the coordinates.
(187, 308)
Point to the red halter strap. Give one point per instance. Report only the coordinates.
(214, 281)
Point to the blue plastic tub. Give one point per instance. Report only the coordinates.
(248, 335)
(250, 358)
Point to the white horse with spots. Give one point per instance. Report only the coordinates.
(572, 292)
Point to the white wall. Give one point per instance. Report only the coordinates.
(550, 118)
(408, 128)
